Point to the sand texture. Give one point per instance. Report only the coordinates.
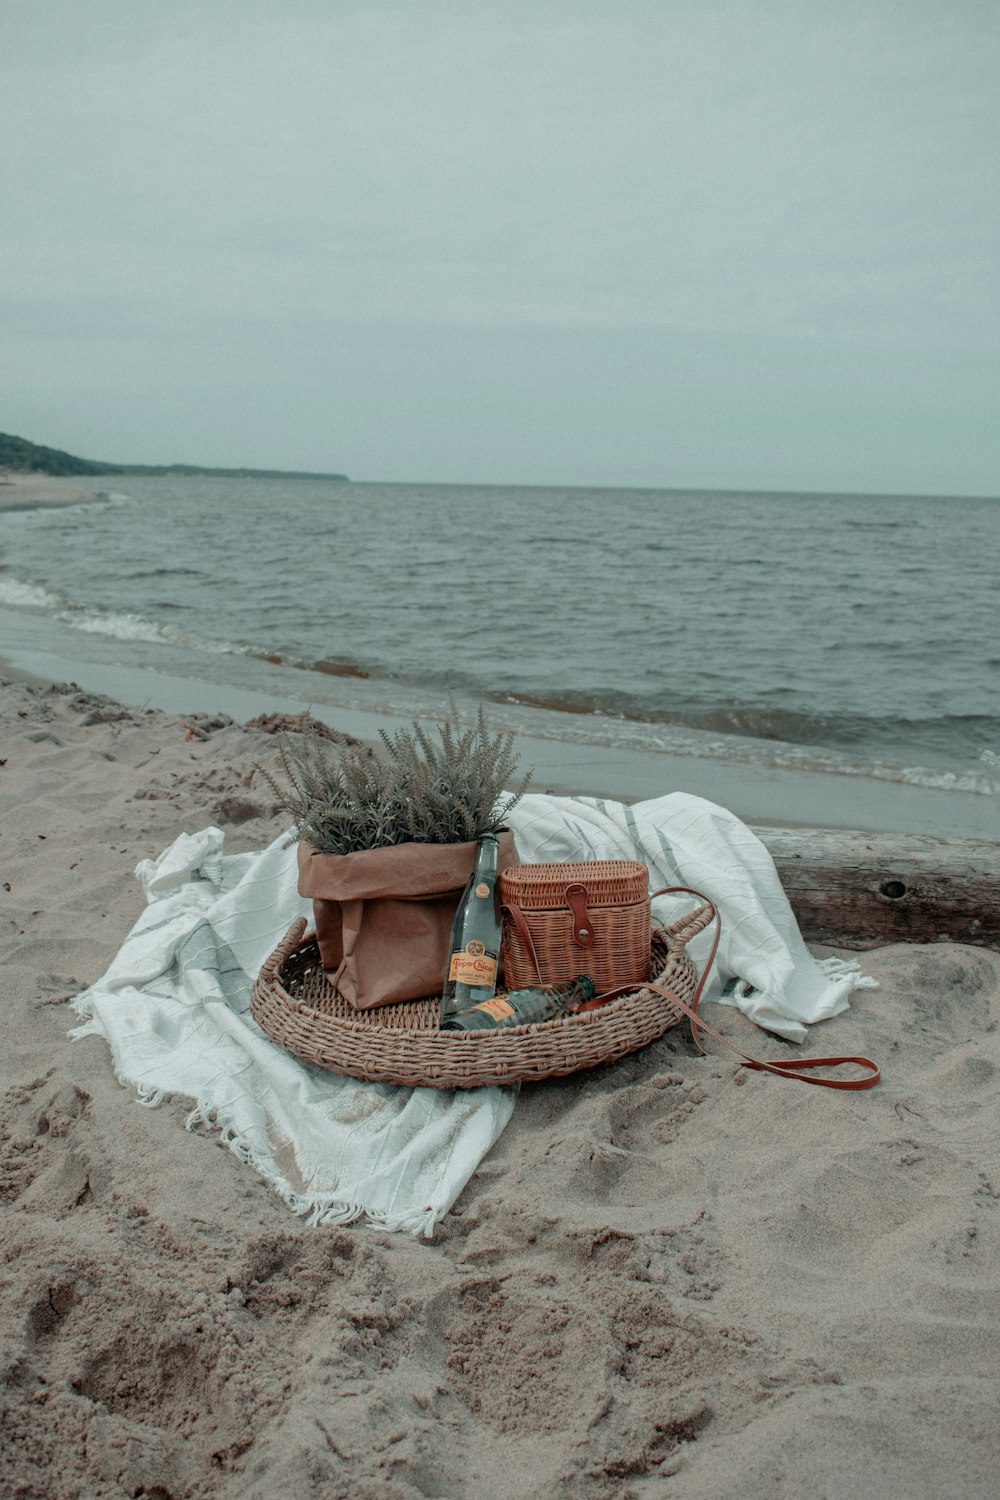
(670, 1278)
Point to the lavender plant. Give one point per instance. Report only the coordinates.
(442, 787)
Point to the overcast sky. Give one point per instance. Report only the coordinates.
(740, 244)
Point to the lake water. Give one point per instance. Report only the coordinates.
(838, 632)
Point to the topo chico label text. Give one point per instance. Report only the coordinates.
(473, 964)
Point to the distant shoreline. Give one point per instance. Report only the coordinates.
(194, 471)
(20, 455)
(34, 491)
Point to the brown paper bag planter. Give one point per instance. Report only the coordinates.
(296, 1005)
(383, 916)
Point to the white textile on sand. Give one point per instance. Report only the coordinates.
(687, 841)
(174, 1006)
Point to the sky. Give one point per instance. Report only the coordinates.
(730, 244)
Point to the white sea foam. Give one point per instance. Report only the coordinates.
(105, 499)
(21, 595)
(128, 626)
(124, 627)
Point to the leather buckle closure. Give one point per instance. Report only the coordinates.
(583, 930)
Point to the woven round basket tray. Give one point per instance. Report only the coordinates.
(298, 1008)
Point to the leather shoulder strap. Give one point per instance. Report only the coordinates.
(800, 1067)
(524, 933)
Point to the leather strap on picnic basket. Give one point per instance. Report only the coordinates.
(588, 917)
(799, 1067)
(594, 917)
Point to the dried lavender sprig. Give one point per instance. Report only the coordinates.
(443, 792)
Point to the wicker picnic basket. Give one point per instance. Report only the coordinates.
(565, 919)
(293, 1002)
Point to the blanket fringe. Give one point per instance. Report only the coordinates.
(317, 1209)
(331, 1211)
(420, 1221)
(83, 1006)
(846, 968)
(90, 1027)
(148, 1096)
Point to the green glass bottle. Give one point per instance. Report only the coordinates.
(474, 949)
(522, 1007)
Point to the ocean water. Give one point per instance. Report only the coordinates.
(855, 633)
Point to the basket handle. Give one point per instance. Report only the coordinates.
(292, 938)
(680, 933)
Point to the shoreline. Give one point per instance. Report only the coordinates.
(764, 782)
(664, 1271)
(175, 656)
(20, 490)
(779, 796)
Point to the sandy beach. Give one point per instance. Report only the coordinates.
(670, 1277)
(598, 395)
(24, 491)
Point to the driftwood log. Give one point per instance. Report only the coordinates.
(862, 890)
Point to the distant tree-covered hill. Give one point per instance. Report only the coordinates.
(18, 453)
(26, 457)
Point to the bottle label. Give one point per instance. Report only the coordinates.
(482, 889)
(473, 965)
(499, 1007)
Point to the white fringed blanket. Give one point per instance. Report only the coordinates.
(174, 1006)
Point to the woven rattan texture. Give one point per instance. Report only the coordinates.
(299, 1010)
(618, 912)
(620, 882)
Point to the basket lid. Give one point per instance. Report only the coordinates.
(608, 882)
